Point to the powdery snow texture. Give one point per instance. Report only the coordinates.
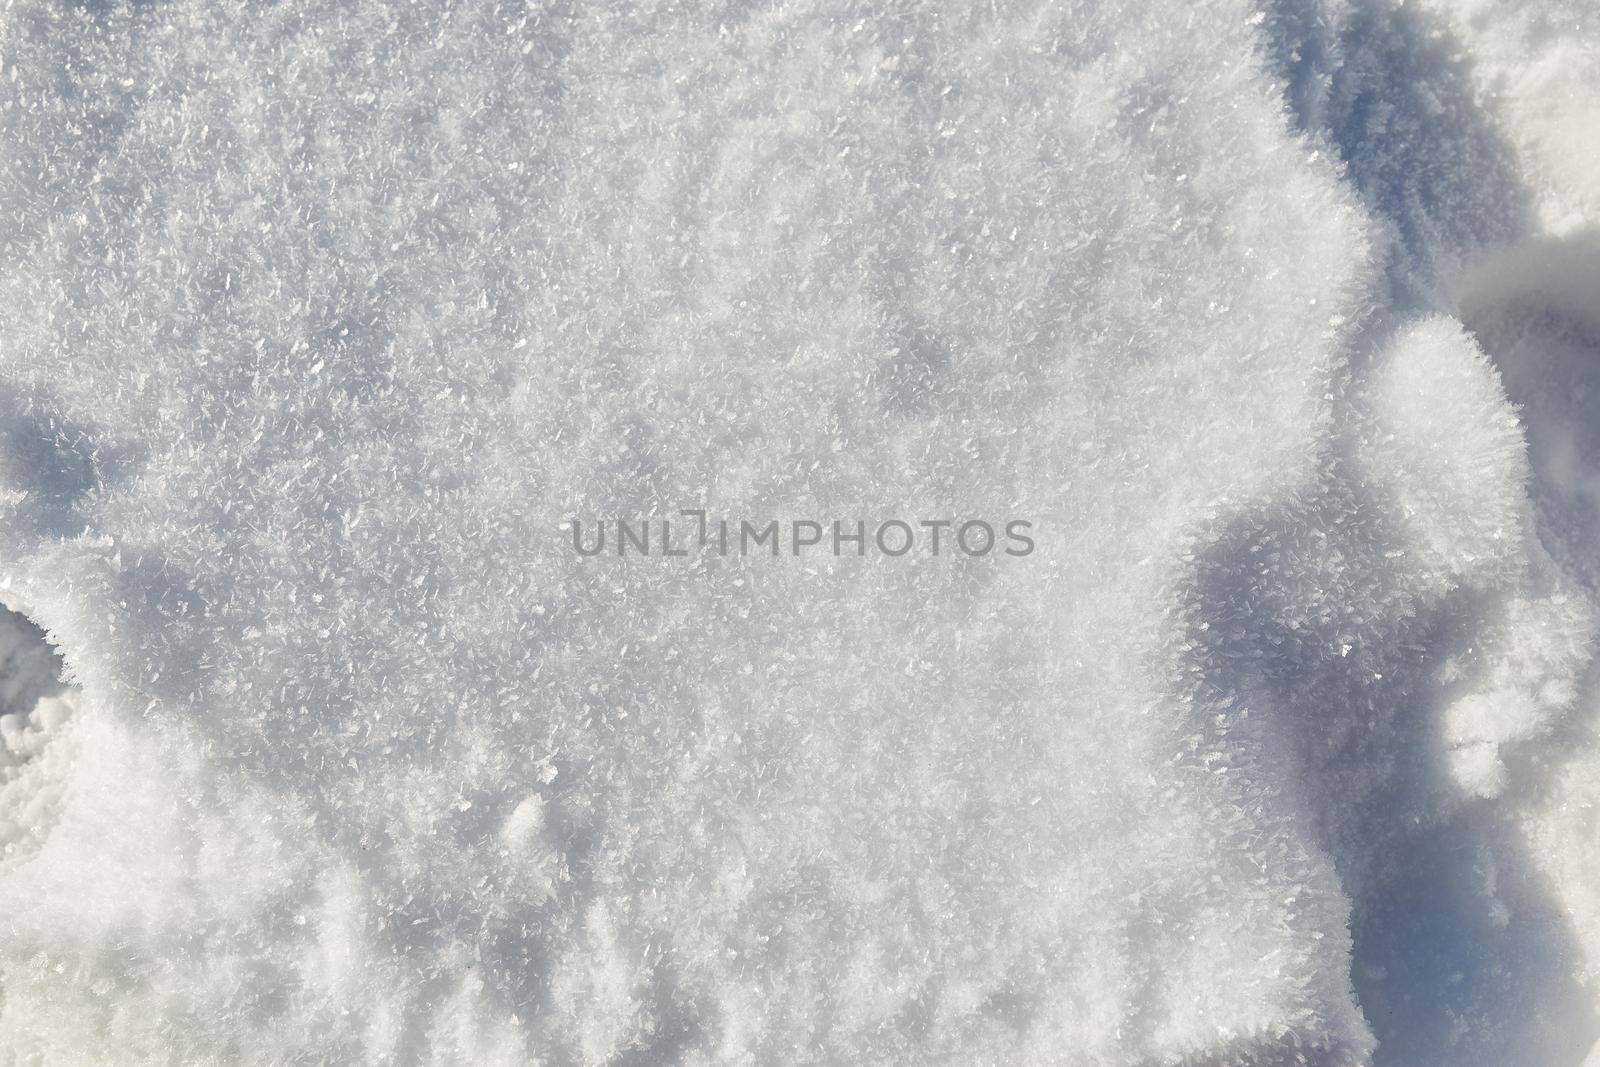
(317, 322)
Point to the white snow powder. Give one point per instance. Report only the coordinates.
(318, 322)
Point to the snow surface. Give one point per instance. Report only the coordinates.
(1280, 320)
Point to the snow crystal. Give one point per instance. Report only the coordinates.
(318, 326)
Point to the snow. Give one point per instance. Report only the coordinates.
(319, 324)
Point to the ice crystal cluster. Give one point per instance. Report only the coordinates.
(1279, 319)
